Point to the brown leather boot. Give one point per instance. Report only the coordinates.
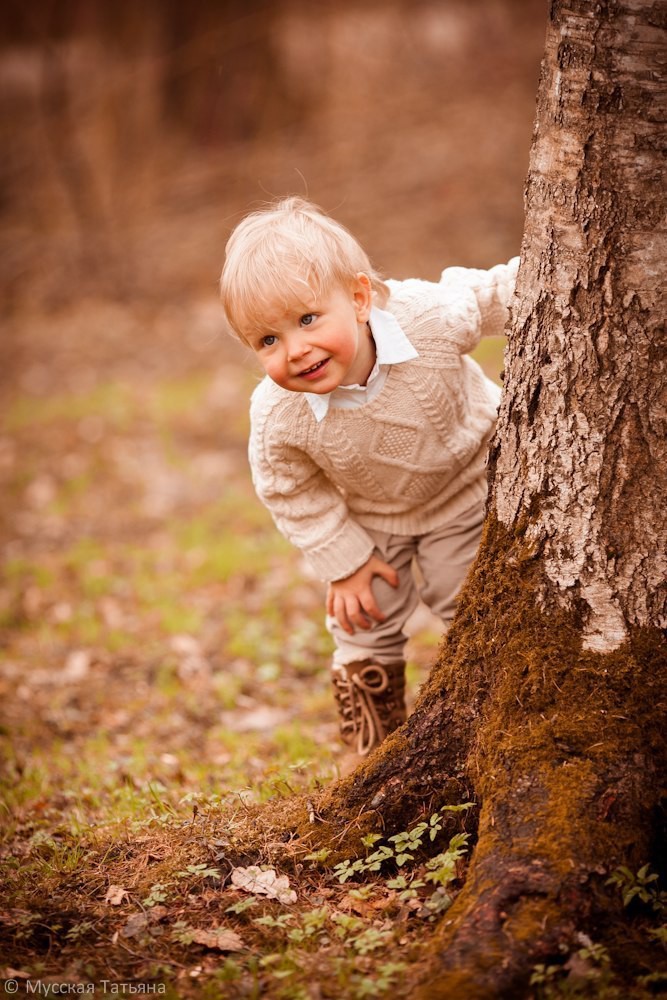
(371, 701)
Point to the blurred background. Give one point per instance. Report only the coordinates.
(149, 613)
(135, 135)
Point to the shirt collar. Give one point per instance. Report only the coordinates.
(391, 348)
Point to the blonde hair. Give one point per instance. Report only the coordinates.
(285, 255)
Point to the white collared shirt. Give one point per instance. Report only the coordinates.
(391, 347)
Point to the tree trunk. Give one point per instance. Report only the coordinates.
(547, 702)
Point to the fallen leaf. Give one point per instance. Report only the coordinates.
(115, 895)
(112, 612)
(221, 938)
(361, 906)
(264, 883)
(135, 925)
(258, 719)
(384, 903)
(77, 666)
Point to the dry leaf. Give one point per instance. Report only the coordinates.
(221, 938)
(77, 666)
(115, 895)
(361, 906)
(135, 925)
(258, 719)
(267, 883)
(384, 903)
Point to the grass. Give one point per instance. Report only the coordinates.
(166, 662)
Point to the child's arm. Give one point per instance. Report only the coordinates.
(487, 294)
(305, 505)
(312, 514)
(464, 306)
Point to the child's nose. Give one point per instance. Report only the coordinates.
(297, 347)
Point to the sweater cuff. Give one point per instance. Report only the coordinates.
(341, 555)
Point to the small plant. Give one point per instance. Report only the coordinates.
(229, 972)
(405, 844)
(543, 975)
(436, 904)
(347, 869)
(408, 888)
(660, 934)
(370, 940)
(269, 921)
(182, 932)
(402, 847)
(442, 868)
(199, 871)
(23, 924)
(382, 980)
(79, 931)
(597, 954)
(363, 892)
(312, 923)
(314, 920)
(346, 924)
(641, 886)
(158, 894)
(242, 905)
(386, 974)
(658, 979)
(318, 856)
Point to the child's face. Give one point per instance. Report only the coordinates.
(321, 345)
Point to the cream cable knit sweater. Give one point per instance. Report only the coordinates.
(407, 461)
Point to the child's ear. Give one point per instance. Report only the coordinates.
(362, 294)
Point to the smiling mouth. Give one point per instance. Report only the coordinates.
(314, 369)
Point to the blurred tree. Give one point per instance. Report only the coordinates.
(548, 701)
(224, 78)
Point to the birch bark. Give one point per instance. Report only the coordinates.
(581, 445)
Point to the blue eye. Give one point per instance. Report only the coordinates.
(307, 319)
(268, 341)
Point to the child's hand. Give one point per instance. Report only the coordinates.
(351, 601)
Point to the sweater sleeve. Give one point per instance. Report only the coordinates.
(305, 505)
(488, 293)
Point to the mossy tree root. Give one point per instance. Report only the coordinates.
(561, 747)
(536, 886)
(411, 773)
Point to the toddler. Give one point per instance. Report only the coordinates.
(369, 434)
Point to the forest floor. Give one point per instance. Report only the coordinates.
(164, 665)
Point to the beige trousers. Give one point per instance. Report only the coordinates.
(443, 557)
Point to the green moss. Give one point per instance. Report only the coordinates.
(565, 750)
